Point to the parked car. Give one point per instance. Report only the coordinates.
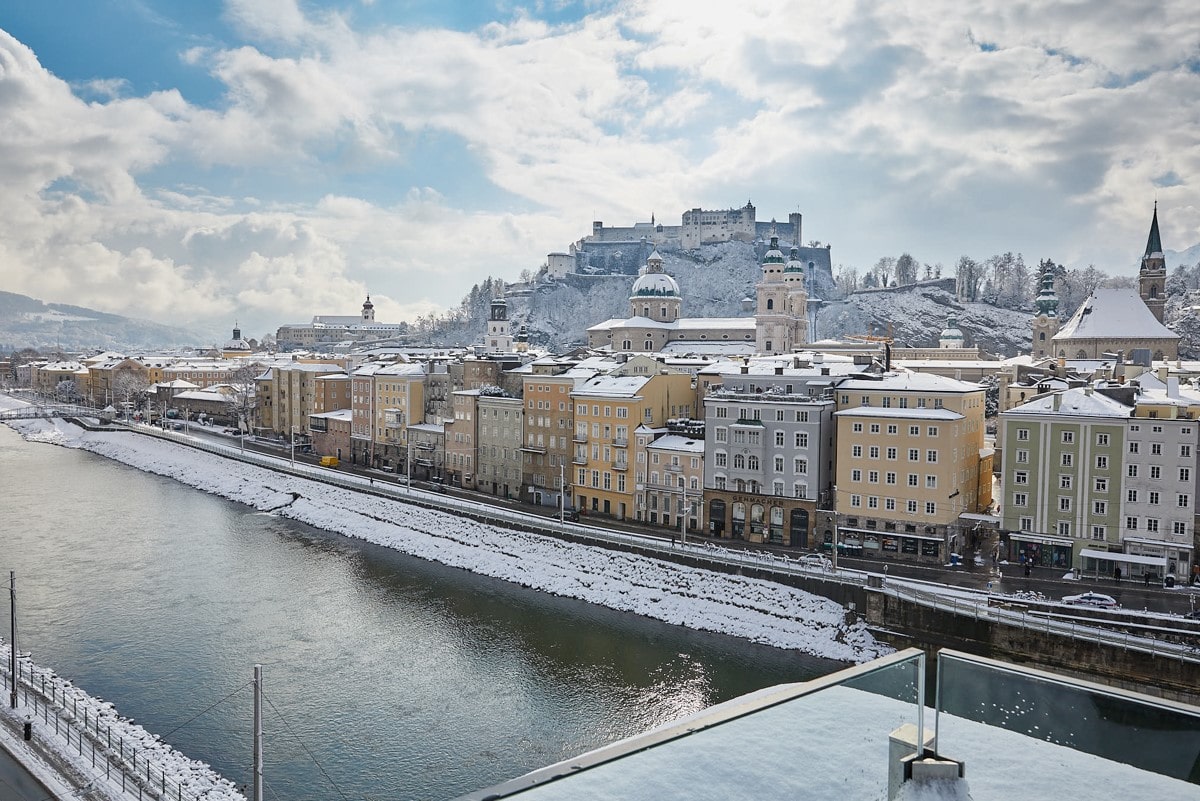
(1096, 599)
(816, 560)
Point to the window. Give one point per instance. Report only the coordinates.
(722, 412)
(1101, 462)
(1153, 498)
(779, 439)
(1064, 482)
(931, 456)
(1185, 450)
(914, 480)
(779, 416)
(1101, 485)
(1155, 472)
(1064, 504)
(873, 476)
(778, 464)
(1020, 499)
(914, 431)
(1068, 459)
(874, 452)
(1185, 474)
(1022, 435)
(1131, 496)
(1182, 501)
(856, 450)
(722, 434)
(1098, 532)
(801, 439)
(914, 455)
(1099, 507)
(800, 466)
(1152, 524)
(857, 428)
(912, 507)
(1022, 457)
(892, 429)
(1026, 523)
(1102, 439)
(872, 502)
(856, 500)
(874, 428)
(890, 478)
(1133, 447)
(889, 504)
(1064, 528)
(721, 459)
(1021, 477)
(1131, 471)
(891, 454)
(856, 475)
(1156, 449)
(1179, 528)
(930, 482)
(932, 431)
(739, 462)
(801, 417)
(930, 508)
(1131, 523)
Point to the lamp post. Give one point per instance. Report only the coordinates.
(562, 495)
(408, 462)
(293, 441)
(684, 509)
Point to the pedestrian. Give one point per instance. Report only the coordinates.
(1117, 573)
(1028, 566)
(1147, 575)
(672, 539)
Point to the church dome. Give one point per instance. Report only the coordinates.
(773, 255)
(655, 285)
(951, 336)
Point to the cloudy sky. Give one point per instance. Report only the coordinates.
(265, 160)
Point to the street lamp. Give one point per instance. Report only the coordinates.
(408, 461)
(293, 433)
(562, 494)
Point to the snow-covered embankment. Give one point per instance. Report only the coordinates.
(756, 610)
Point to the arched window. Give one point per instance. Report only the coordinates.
(770, 303)
(1081, 354)
(752, 463)
(739, 462)
(1042, 336)
(1154, 290)
(649, 344)
(627, 345)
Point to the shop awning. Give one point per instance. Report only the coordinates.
(1041, 539)
(1127, 558)
(889, 533)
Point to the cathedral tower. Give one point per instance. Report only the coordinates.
(771, 319)
(499, 337)
(1152, 278)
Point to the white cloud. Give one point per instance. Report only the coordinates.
(1022, 126)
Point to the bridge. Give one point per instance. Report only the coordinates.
(49, 410)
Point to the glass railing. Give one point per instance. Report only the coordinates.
(795, 741)
(1149, 735)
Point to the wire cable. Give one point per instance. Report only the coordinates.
(206, 711)
(300, 742)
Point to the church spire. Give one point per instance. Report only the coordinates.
(1154, 242)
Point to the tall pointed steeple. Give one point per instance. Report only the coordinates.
(1154, 242)
(1152, 277)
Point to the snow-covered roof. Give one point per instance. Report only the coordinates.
(710, 347)
(340, 414)
(677, 442)
(891, 412)
(1081, 401)
(655, 285)
(401, 369)
(429, 428)
(613, 386)
(1114, 313)
(202, 395)
(738, 324)
(916, 382)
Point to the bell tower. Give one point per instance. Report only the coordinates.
(1045, 316)
(1152, 278)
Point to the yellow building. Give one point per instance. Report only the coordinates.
(910, 461)
(607, 411)
(399, 401)
(287, 395)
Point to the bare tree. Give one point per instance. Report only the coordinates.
(130, 388)
(245, 398)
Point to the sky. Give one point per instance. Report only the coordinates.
(262, 161)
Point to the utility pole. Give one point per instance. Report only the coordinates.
(12, 642)
(258, 749)
(683, 516)
(562, 494)
(408, 460)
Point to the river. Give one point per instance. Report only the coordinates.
(386, 676)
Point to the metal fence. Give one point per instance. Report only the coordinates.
(119, 764)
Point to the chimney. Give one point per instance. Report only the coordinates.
(818, 358)
(1087, 390)
(1172, 387)
(1162, 373)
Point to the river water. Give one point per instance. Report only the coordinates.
(386, 677)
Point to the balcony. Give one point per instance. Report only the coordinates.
(579, 459)
(621, 465)
(621, 441)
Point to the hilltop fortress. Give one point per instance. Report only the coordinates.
(623, 250)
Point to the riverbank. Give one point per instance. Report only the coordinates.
(759, 611)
